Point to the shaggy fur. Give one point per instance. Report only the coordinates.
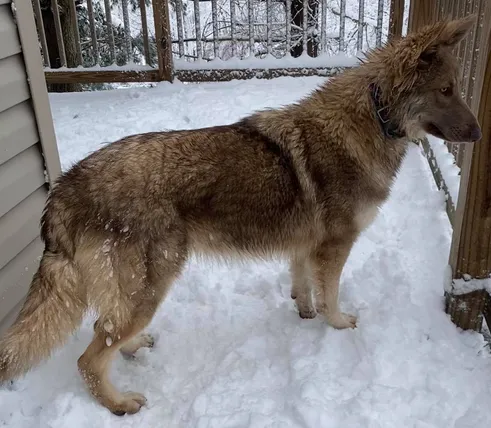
(299, 182)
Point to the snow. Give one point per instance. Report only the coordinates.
(468, 284)
(231, 350)
(338, 60)
(114, 67)
(304, 61)
(449, 169)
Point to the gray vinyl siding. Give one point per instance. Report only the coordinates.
(23, 183)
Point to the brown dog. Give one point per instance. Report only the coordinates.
(301, 182)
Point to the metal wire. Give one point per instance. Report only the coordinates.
(342, 25)
(361, 17)
(214, 19)
(251, 27)
(197, 28)
(305, 25)
(180, 27)
(289, 26)
(380, 17)
(269, 25)
(323, 40)
(232, 28)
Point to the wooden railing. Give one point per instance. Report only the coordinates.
(93, 41)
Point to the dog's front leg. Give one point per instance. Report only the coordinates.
(301, 289)
(327, 264)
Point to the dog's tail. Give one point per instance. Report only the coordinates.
(52, 310)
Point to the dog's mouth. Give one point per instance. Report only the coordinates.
(434, 130)
(454, 134)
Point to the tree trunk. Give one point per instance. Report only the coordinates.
(68, 25)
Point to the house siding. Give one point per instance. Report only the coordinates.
(23, 159)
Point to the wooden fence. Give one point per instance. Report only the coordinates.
(466, 298)
(153, 40)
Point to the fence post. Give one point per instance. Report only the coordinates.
(421, 13)
(470, 255)
(396, 18)
(163, 39)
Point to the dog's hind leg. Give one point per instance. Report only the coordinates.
(327, 264)
(112, 336)
(95, 362)
(301, 287)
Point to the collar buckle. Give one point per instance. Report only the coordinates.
(388, 128)
(380, 116)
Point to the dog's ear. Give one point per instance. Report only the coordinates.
(455, 31)
(445, 35)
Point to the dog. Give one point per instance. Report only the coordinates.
(300, 182)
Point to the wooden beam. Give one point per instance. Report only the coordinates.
(115, 76)
(470, 254)
(163, 39)
(466, 310)
(421, 13)
(111, 76)
(396, 18)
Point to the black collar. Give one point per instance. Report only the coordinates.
(390, 129)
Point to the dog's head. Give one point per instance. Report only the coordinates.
(422, 82)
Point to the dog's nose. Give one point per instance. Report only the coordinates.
(475, 133)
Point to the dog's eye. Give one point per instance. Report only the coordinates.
(445, 90)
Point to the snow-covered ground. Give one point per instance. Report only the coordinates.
(231, 350)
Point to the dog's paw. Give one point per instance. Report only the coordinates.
(147, 341)
(305, 309)
(141, 341)
(130, 403)
(310, 314)
(341, 320)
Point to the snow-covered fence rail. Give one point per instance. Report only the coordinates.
(89, 41)
(467, 298)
